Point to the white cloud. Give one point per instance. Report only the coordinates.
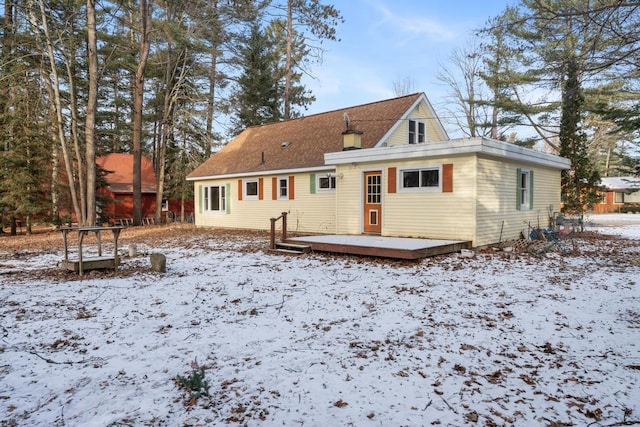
(415, 25)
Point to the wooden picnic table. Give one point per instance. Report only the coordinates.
(90, 263)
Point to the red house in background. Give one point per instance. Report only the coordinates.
(118, 192)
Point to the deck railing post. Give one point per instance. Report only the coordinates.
(272, 243)
(284, 226)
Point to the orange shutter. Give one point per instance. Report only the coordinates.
(274, 188)
(447, 178)
(239, 189)
(260, 188)
(391, 180)
(291, 192)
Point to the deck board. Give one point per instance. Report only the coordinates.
(378, 246)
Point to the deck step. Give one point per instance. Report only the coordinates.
(285, 251)
(294, 247)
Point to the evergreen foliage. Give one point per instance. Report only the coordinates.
(555, 67)
(188, 91)
(257, 101)
(579, 184)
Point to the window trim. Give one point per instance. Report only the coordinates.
(419, 189)
(618, 197)
(247, 196)
(279, 181)
(419, 134)
(525, 192)
(331, 179)
(207, 201)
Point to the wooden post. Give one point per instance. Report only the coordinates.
(116, 260)
(284, 226)
(272, 244)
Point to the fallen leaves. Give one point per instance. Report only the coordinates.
(340, 403)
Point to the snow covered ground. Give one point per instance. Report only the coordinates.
(321, 340)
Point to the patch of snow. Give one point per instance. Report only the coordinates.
(326, 340)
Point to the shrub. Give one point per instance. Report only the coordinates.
(194, 383)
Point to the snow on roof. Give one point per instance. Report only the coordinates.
(621, 182)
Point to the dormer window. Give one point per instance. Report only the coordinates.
(416, 132)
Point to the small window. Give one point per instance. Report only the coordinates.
(326, 183)
(215, 198)
(165, 205)
(416, 132)
(283, 187)
(618, 197)
(423, 179)
(251, 189)
(525, 189)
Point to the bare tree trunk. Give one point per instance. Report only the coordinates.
(57, 104)
(212, 78)
(55, 188)
(494, 122)
(75, 137)
(172, 90)
(607, 163)
(138, 97)
(288, 65)
(90, 120)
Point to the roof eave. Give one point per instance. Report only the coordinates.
(452, 147)
(261, 173)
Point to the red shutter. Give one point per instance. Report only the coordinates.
(239, 189)
(291, 187)
(447, 178)
(260, 188)
(274, 188)
(391, 180)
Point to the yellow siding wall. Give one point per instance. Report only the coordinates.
(307, 213)
(496, 202)
(348, 200)
(400, 136)
(480, 208)
(434, 215)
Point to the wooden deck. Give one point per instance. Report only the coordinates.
(377, 246)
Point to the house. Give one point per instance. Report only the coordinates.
(622, 194)
(385, 168)
(117, 195)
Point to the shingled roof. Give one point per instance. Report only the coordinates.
(302, 142)
(119, 173)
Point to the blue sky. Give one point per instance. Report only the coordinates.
(385, 41)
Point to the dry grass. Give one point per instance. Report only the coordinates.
(46, 239)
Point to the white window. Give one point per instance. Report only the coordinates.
(416, 132)
(165, 205)
(326, 183)
(283, 187)
(424, 178)
(618, 197)
(215, 198)
(250, 189)
(525, 188)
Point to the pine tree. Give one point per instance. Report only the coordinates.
(257, 100)
(580, 183)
